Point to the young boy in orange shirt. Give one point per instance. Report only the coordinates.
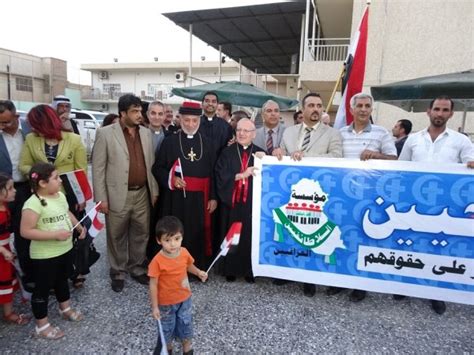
(170, 293)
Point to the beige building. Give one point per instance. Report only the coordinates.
(28, 78)
(406, 40)
(302, 44)
(152, 81)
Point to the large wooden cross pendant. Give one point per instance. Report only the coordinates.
(191, 154)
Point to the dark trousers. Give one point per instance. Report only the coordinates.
(50, 274)
(22, 245)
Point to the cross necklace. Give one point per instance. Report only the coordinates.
(191, 155)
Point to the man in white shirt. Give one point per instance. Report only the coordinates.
(439, 144)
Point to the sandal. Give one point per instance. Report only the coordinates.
(53, 333)
(18, 319)
(71, 314)
(78, 282)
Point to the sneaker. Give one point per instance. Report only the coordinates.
(357, 295)
(438, 306)
(309, 290)
(331, 291)
(399, 297)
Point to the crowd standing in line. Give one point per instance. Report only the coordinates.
(198, 169)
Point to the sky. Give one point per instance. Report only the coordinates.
(96, 31)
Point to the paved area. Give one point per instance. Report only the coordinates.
(249, 318)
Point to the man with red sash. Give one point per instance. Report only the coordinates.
(184, 169)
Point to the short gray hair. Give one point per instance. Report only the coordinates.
(361, 95)
(268, 102)
(155, 103)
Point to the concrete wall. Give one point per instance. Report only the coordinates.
(415, 38)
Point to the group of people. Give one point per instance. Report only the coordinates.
(145, 170)
(49, 247)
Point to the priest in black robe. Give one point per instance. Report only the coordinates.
(234, 182)
(184, 169)
(217, 130)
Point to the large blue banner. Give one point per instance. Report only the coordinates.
(394, 227)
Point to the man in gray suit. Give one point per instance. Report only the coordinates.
(268, 137)
(12, 137)
(312, 138)
(121, 170)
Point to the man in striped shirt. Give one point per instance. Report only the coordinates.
(364, 140)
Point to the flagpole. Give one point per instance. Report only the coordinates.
(164, 348)
(182, 177)
(88, 213)
(341, 74)
(218, 256)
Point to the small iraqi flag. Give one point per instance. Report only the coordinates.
(76, 184)
(176, 170)
(92, 222)
(232, 238)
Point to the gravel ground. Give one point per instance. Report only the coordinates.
(249, 318)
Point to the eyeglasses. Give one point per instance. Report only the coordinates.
(6, 124)
(246, 131)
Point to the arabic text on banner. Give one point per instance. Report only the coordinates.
(393, 227)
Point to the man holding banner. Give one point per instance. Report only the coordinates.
(437, 143)
(311, 138)
(234, 182)
(364, 140)
(184, 167)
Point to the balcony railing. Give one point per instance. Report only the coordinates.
(112, 95)
(328, 49)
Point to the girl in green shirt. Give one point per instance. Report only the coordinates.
(47, 222)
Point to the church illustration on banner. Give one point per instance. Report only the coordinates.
(304, 219)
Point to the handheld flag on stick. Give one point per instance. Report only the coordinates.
(161, 348)
(95, 223)
(176, 169)
(354, 72)
(92, 222)
(231, 239)
(76, 184)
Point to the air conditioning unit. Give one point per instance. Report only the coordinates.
(180, 76)
(104, 107)
(103, 75)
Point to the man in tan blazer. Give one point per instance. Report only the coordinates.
(312, 138)
(121, 170)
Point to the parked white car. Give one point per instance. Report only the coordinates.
(87, 123)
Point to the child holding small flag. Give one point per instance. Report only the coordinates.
(170, 293)
(47, 222)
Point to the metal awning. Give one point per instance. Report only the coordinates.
(264, 37)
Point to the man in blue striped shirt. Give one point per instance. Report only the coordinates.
(364, 140)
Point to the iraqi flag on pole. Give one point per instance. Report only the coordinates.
(354, 72)
(232, 238)
(175, 170)
(77, 185)
(92, 222)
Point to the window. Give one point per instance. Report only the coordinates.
(111, 87)
(24, 84)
